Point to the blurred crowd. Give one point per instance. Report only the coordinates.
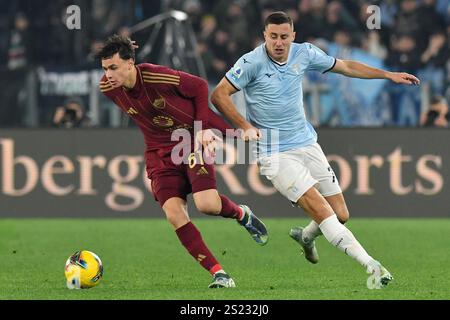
(414, 35)
(34, 32)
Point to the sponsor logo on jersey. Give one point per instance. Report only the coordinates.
(202, 171)
(163, 121)
(201, 257)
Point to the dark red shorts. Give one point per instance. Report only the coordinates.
(178, 180)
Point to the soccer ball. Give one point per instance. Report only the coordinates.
(83, 270)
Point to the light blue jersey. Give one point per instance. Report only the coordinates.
(274, 96)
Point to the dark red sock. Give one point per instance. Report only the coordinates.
(192, 240)
(230, 209)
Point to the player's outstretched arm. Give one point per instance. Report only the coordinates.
(221, 99)
(355, 69)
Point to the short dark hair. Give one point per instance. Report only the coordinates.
(437, 99)
(117, 44)
(278, 17)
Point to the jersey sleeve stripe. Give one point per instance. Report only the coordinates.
(161, 78)
(331, 66)
(161, 81)
(232, 83)
(106, 90)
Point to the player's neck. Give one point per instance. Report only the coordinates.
(281, 61)
(131, 81)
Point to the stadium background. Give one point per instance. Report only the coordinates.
(388, 151)
(38, 49)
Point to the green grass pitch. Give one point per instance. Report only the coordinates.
(143, 259)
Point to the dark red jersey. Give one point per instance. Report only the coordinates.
(162, 101)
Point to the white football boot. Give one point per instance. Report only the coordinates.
(379, 275)
(222, 280)
(308, 248)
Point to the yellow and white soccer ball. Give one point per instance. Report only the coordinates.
(83, 270)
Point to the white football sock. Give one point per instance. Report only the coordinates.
(339, 236)
(311, 231)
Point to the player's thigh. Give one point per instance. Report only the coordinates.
(167, 179)
(320, 169)
(176, 212)
(169, 184)
(339, 206)
(201, 176)
(288, 174)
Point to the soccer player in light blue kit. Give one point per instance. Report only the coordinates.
(271, 78)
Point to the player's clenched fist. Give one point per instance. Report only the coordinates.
(250, 134)
(209, 140)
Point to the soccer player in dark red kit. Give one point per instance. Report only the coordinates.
(161, 100)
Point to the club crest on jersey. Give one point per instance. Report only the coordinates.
(237, 72)
(159, 103)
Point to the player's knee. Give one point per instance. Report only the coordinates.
(208, 207)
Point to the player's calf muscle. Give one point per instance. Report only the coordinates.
(337, 203)
(343, 217)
